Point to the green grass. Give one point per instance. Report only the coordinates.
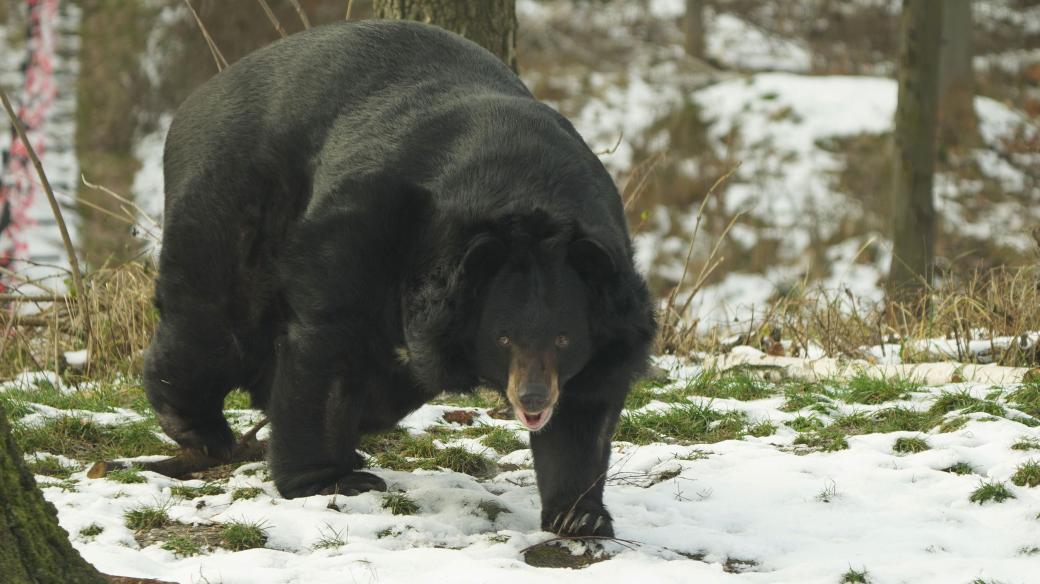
(50, 466)
(238, 536)
(127, 476)
(953, 424)
(1027, 474)
(805, 424)
(83, 440)
(854, 577)
(502, 440)
(965, 403)
(238, 400)
(1026, 443)
(991, 491)
(762, 429)
(208, 489)
(687, 423)
(802, 395)
(92, 530)
(738, 384)
(400, 504)
(246, 493)
(826, 440)
(1027, 398)
(147, 517)
(461, 460)
(182, 546)
(960, 468)
(330, 539)
(905, 445)
(99, 397)
(864, 389)
(491, 509)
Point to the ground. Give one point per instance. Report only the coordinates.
(715, 477)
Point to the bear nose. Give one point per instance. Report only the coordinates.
(534, 397)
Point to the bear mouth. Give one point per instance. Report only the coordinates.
(533, 422)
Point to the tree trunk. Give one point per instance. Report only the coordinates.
(693, 26)
(913, 208)
(34, 549)
(958, 125)
(489, 23)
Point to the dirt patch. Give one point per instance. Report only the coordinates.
(204, 536)
(555, 556)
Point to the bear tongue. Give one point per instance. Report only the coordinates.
(533, 422)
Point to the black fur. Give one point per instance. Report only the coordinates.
(362, 188)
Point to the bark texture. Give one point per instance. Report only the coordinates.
(34, 549)
(489, 23)
(913, 207)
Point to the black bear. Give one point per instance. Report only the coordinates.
(364, 215)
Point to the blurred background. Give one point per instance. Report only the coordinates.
(787, 108)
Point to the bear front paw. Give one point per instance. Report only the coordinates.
(579, 521)
(355, 483)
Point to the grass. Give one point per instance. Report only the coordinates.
(461, 460)
(905, 445)
(50, 466)
(687, 423)
(92, 530)
(825, 440)
(330, 539)
(182, 546)
(854, 577)
(147, 517)
(127, 476)
(246, 493)
(864, 389)
(960, 468)
(503, 440)
(238, 536)
(186, 492)
(805, 424)
(93, 397)
(991, 491)
(81, 439)
(802, 395)
(1027, 474)
(1027, 398)
(1026, 443)
(762, 429)
(965, 403)
(739, 384)
(400, 504)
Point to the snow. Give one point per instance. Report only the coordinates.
(767, 510)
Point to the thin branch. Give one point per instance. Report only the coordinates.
(34, 298)
(274, 19)
(77, 278)
(350, 8)
(218, 57)
(303, 15)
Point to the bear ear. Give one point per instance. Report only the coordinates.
(590, 259)
(484, 255)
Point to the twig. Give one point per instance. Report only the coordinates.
(350, 8)
(77, 278)
(274, 19)
(303, 15)
(218, 57)
(35, 298)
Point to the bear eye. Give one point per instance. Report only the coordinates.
(504, 341)
(562, 341)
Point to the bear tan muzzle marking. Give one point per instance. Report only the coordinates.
(533, 387)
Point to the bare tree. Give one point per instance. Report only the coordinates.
(958, 125)
(693, 27)
(489, 23)
(913, 207)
